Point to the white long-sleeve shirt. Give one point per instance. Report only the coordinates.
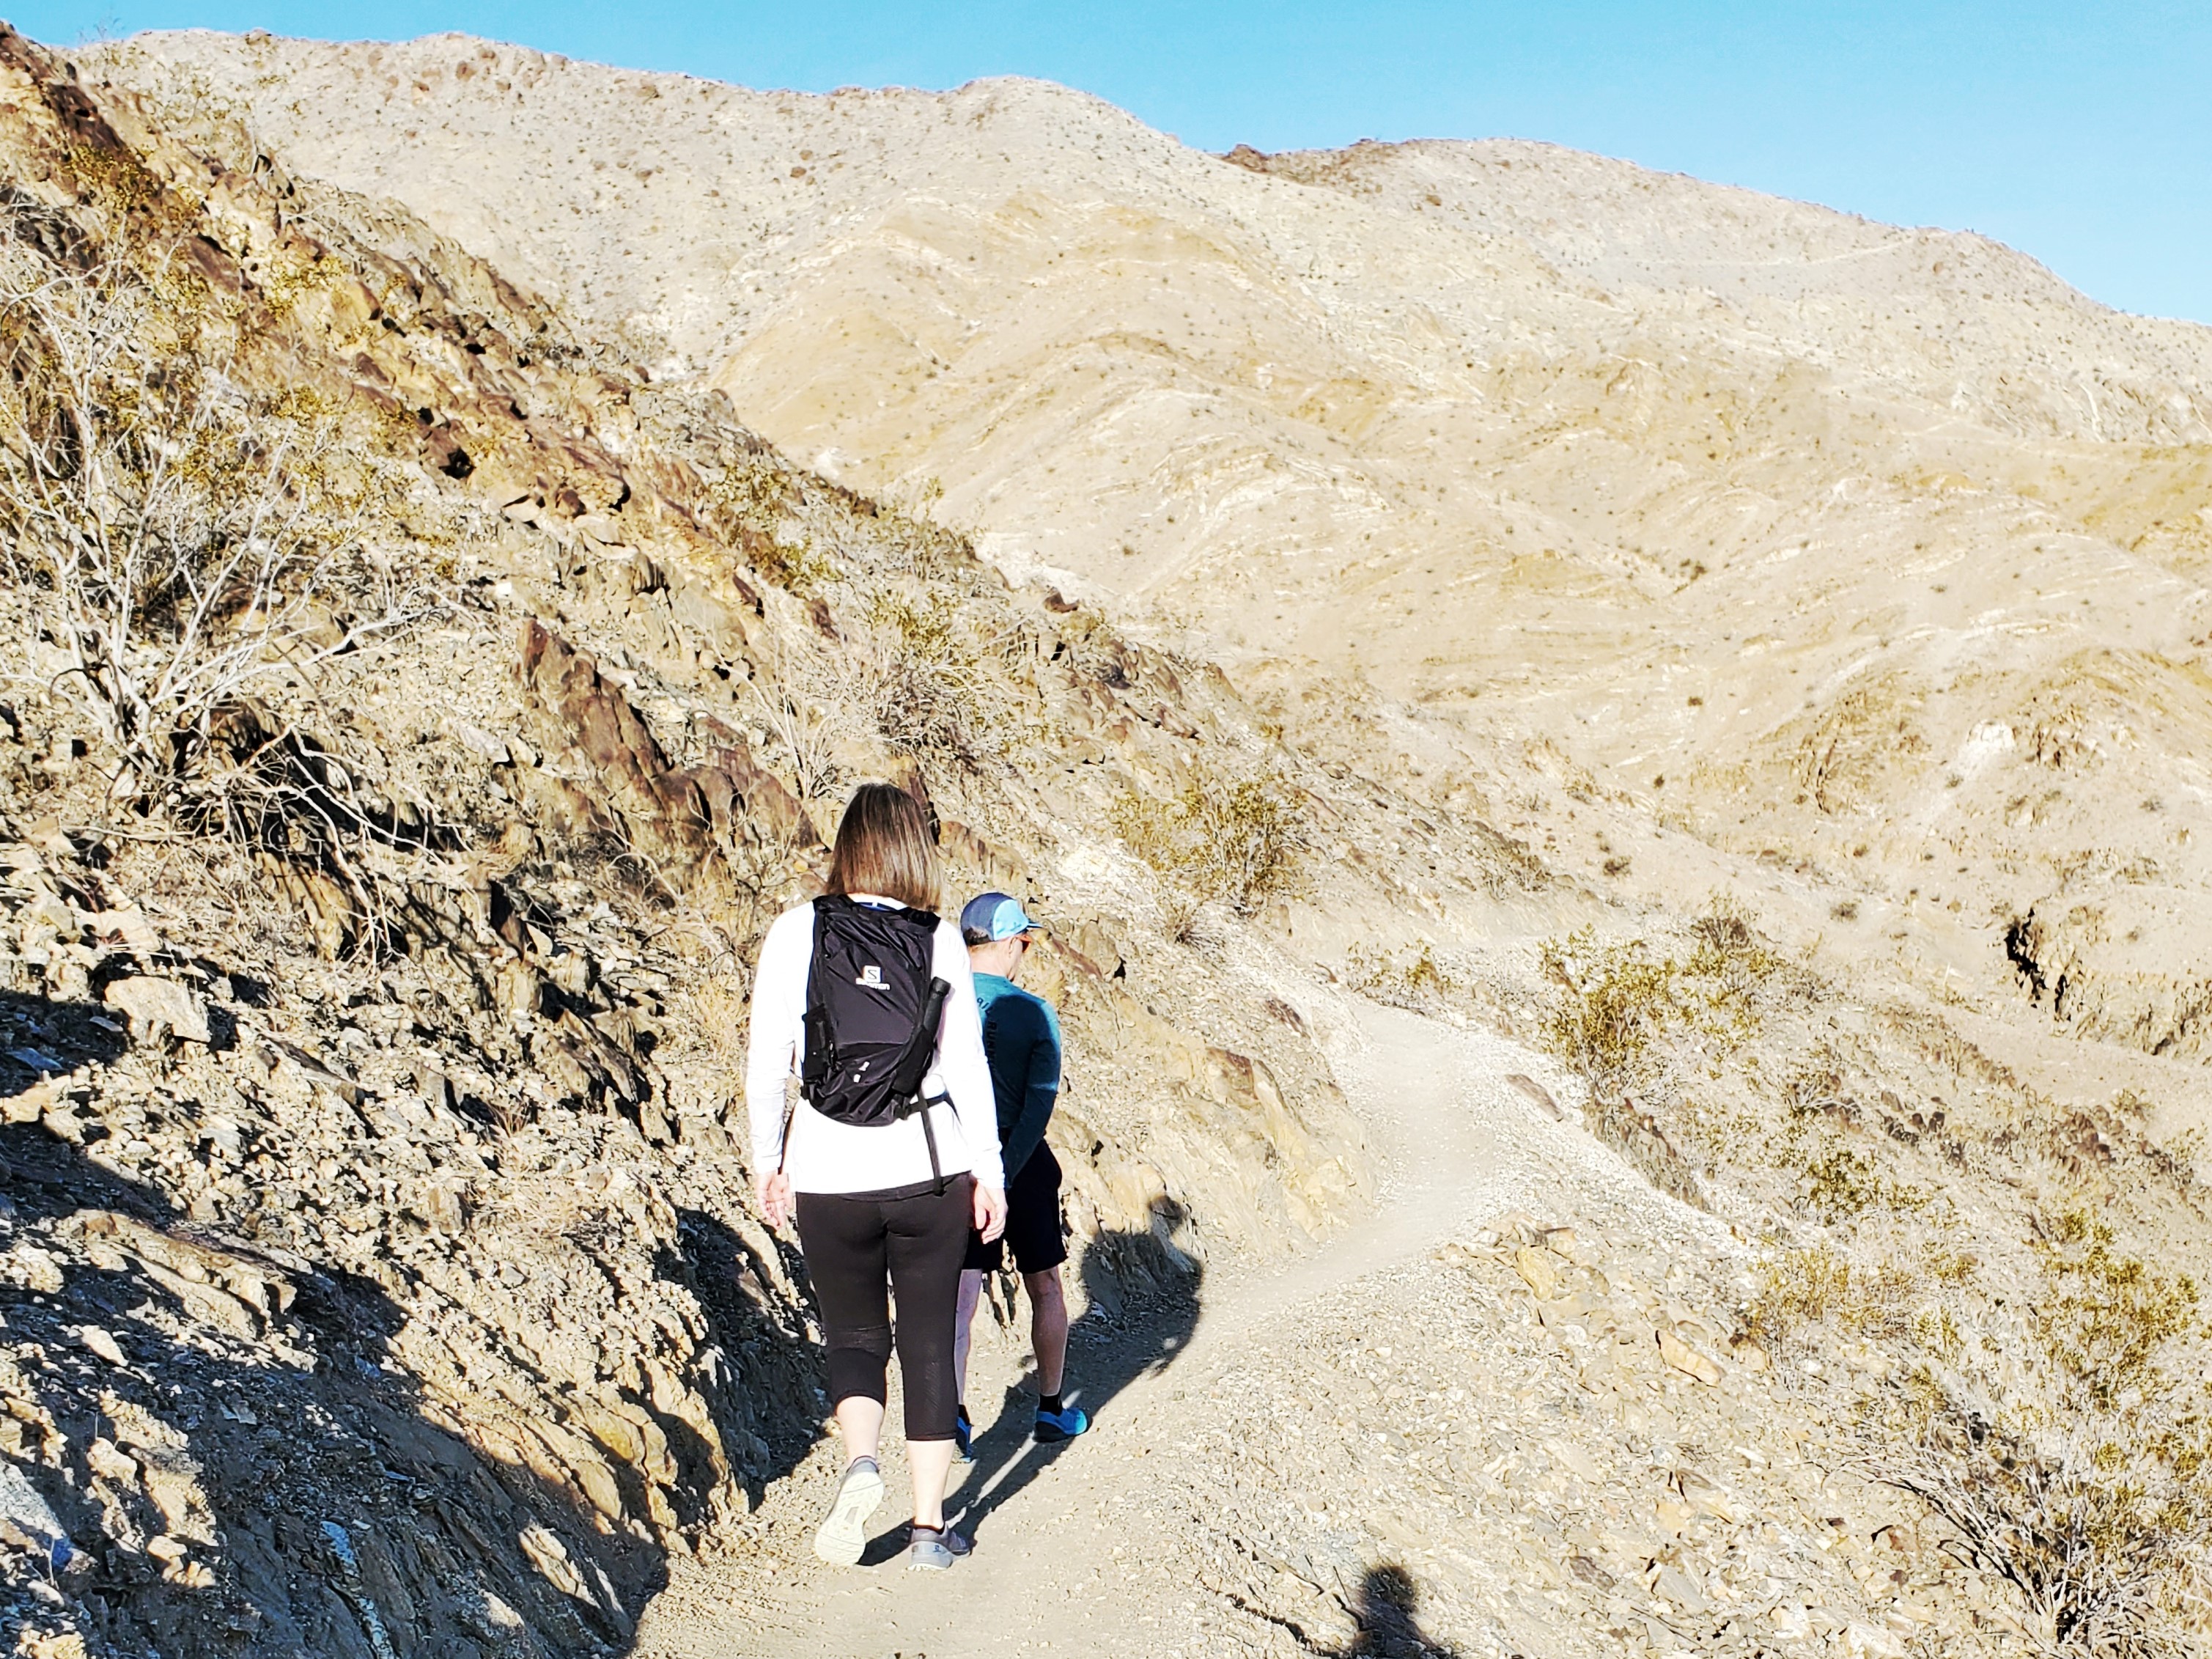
(829, 1157)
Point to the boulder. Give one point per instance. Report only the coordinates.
(682, 818)
(156, 1005)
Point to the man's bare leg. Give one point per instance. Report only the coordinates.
(1047, 1329)
(963, 1323)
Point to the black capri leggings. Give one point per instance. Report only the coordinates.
(851, 1240)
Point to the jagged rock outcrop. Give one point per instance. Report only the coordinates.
(679, 817)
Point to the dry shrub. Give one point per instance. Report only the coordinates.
(1413, 979)
(719, 1001)
(1840, 1181)
(796, 565)
(2058, 1417)
(1817, 1286)
(179, 544)
(934, 690)
(2070, 1443)
(189, 572)
(748, 506)
(802, 717)
(1635, 1023)
(1235, 840)
(1624, 1018)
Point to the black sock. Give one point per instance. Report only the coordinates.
(1049, 1402)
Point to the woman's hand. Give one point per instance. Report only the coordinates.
(773, 1194)
(990, 1211)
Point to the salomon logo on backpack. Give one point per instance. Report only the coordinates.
(872, 1009)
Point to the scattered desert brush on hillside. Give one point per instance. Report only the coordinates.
(410, 719)
(2041, 1386)
(414, 709)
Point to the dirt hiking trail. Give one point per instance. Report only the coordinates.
(1076, 1548)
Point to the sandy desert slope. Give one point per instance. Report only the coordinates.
(1862, 548)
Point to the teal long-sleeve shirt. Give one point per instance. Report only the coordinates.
(1021, 1039)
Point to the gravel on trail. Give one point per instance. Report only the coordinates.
(1450, 1430)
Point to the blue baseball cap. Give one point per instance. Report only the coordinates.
(990, 917)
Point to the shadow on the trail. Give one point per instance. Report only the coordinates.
(1384, 1611)
(1143, 1302)
(1144, 1307)
(1383, 1625)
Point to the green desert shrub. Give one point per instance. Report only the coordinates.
(1237, 840)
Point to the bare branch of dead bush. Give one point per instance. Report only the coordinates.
(181, 545)
(798, 708)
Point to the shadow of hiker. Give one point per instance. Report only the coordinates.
(215, 1449)
(1144, 1307)
(1383, 1625)
(1383, 1612)
(762, 1327)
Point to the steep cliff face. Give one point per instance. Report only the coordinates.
(382, 1277)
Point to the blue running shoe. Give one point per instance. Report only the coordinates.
(1063, 1424)
(963, 1435)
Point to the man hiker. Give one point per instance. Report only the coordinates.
(1021, 1040)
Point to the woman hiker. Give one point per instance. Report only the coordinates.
(890, 1156)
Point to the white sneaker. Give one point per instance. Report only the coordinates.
(843, 1534)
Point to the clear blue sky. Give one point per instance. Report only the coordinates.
(2079, 132)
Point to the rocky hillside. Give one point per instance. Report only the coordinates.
(415, 714)
(1824, 538)
(474, 514)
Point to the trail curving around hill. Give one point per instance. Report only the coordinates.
(1459, 1144)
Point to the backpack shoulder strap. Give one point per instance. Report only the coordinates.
(821, 1056)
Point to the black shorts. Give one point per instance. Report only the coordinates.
(1032, 1221)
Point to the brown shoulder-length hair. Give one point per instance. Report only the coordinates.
(884, 847)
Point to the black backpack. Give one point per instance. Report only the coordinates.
(873, 1010)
